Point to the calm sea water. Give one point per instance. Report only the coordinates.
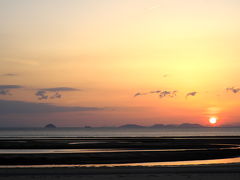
(117, 132)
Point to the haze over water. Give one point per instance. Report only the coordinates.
(116, 132)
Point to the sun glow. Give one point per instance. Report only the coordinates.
(213, 120)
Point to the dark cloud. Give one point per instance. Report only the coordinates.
(154, 92)
(57, 89)
(164, 93)
(167, 94)
(194, 93)
(142, 94)
(10, 86)
(22, 107)
(139, 94)
(233, 90)
(5, 89)
(160, 93)
(4, 92)
(42, 94)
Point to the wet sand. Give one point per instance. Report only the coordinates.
(116, 150)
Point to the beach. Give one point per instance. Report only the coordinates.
(193, 157)
(41, 151)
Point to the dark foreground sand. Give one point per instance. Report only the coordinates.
(125, 173)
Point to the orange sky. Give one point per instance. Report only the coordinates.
(107, 51)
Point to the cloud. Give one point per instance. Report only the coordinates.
(233, 90)
(194, 93)
(10, 86)
(142, 94)
(4, 92)
(10, 74)
(42, 94)
(56, 95)
(5, 89)
(21, 62)
(167, 94)
(161, 93)
(139, 94)
(154, 92)
(57, 89)
(22, 107)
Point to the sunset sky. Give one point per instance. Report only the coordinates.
(80, 62)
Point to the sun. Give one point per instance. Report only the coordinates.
(212, 120)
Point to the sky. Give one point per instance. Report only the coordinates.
(113, 62)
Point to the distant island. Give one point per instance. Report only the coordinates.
(50, 126)
(154, 126)
(184, 125)
(87, 127)
(131, 126)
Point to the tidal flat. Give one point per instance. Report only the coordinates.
(83, 151)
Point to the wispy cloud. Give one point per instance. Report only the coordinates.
(21, 61)
(10, 86)
(233, 90)
(10, 74)
(194, 93)
(154, 92)
(146, 93)
(167, 94)
(4, 92)
(57, 89)
(139, 94)
(43, 94)
(5, 89)
(56, 95)
(22, 107)
(161, 93)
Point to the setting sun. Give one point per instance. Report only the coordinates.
(212, 120)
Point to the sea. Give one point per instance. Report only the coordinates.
(116, 132)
